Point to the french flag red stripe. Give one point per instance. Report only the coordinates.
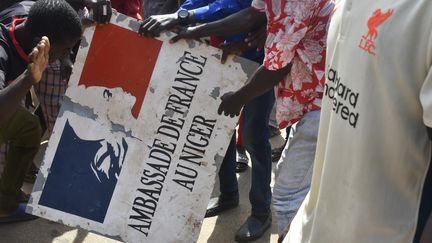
(109, 64)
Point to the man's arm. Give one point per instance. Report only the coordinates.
(153, 25)
(11, 96)
(244, 21)
(262, 81)
(102, 10)
(216, 10)
(427, 232)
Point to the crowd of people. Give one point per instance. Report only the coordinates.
(348, 80)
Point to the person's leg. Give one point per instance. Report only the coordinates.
(256, 141)
(241, 159)
(256, 135)
(227, 175)
(23, 133)
(229, 194)
(425, 209)
(295, 167)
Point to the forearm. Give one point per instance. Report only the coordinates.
(238, 23)
(12, 95)
(215, 10)
(262, 81)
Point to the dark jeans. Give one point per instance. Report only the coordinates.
(256, 136)
(425, 210)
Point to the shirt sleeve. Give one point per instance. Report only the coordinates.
(193, 4)
(282, 43)
(219, 9)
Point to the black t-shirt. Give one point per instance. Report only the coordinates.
(20, 9)
(12, 64)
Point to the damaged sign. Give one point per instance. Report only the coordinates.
(136, 146)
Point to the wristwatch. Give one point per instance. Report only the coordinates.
(183, 16)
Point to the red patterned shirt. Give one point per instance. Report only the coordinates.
(296, 34)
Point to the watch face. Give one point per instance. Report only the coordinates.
(183, 13)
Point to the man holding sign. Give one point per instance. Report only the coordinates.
(18, 72)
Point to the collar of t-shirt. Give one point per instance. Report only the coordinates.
(18, 48)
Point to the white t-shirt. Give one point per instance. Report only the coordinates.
(373, 151)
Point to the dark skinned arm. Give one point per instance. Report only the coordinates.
(102, 10)
(427, 231)
(243, 21)
(11, 96)
(255, 40)
(262, 81)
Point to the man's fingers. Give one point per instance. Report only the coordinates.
(253, 37)
(257, 38)
(224, 56)
(176, 38)
(33, 54)
(251, 41)
(176, 29)
(220, 109)
(47, 43)
(141, 29)
(225, 52)
(146, 21)
(154, 29)
(227, 113)
(108, 12)
(40, 54)
(223, 97)
(146, 26)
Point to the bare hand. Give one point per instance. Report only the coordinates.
(102, 10)
(185, 33)
(257, 38)
(233, 48)
(154, 25)
(38, 59)
(231, 105)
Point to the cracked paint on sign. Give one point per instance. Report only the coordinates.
(215, 93)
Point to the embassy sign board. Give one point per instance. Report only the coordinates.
(136, 146)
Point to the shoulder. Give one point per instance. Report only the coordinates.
(4, 44)
(20, 9)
